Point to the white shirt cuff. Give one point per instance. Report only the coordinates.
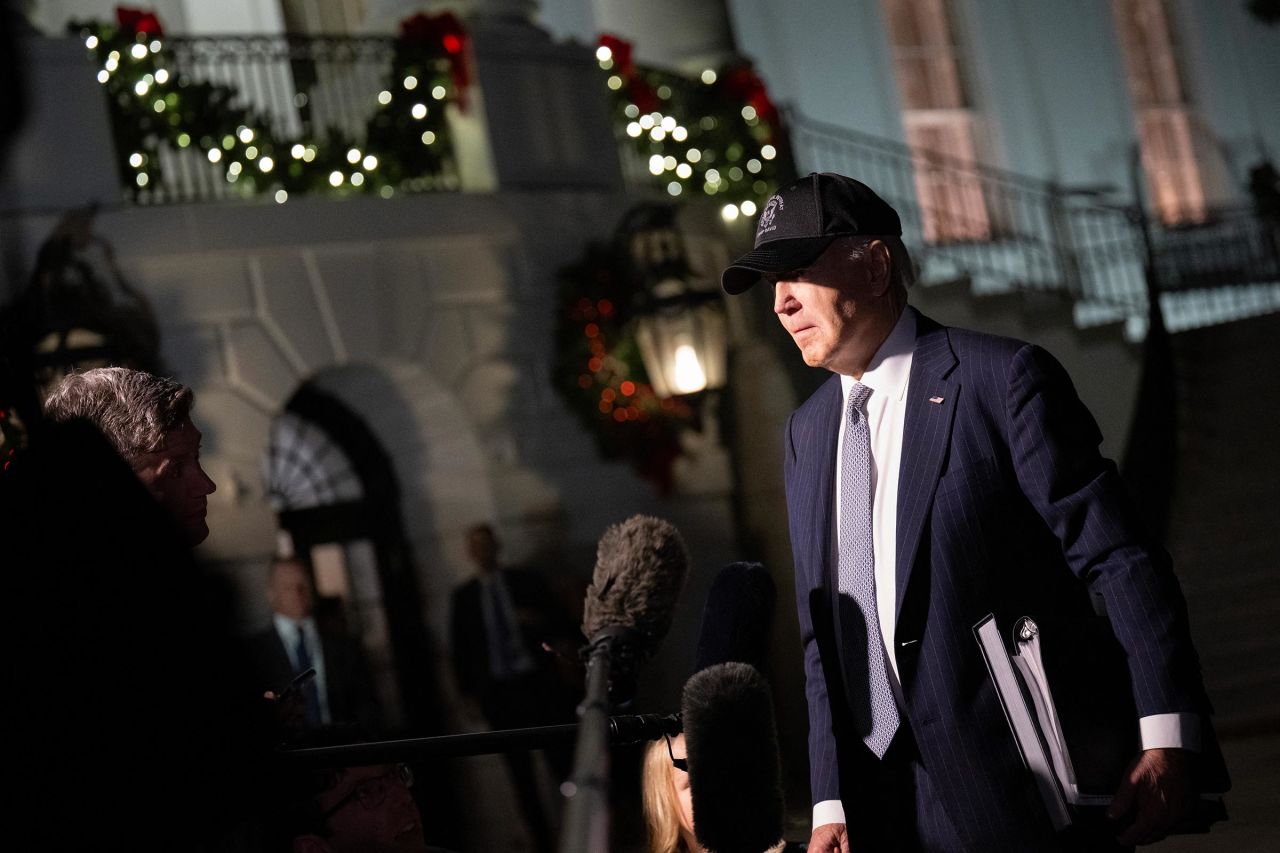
(828, 811)
(1159, 731)
(1170, 731)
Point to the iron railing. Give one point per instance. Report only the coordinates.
(318, 91)
(999, 228)
(1006, 231)
(302, 84)
(1233, 247)
(1224, 269)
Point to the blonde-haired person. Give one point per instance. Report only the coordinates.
(668, 802)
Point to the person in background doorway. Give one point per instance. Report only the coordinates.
(342, 691)
(504, 622)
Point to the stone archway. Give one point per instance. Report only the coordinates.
(365, 326)
(443, 475)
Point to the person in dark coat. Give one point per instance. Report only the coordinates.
(940, 475)
(342, 691)
(131, 726)
(504, 624)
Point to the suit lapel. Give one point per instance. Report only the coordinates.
(819, 448)
(926, 437)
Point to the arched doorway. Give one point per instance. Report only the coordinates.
(337, 497)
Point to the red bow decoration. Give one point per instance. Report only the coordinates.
(621, 51)
(642, 95)
(638, 89)
(139, 21)
(442, 34)
(741, 83)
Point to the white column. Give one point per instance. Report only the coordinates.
(671, 33)
(241, 17)
(382, 16)
(505, 10)
(63, 155)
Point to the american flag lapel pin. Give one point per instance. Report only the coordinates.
(935, 399)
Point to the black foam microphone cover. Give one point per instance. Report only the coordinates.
(737, 618)
(641, 566)
(734, 772)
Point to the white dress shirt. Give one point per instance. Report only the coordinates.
(888, 376)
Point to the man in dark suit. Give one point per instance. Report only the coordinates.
(939, 476)
(135, 672)
(500, 621)
(342, 691)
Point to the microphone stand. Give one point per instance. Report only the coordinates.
(619, 730)
(443, 746)
(611, 666)
(613, 657)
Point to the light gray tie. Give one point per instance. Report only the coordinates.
(876, 715)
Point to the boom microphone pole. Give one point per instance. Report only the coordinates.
(625, 729)
(640, 569)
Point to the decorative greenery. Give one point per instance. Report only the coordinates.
(154, 106)
(599, 372)
(428, 70)
(719, 134)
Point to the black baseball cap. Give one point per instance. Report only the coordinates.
(799, 221)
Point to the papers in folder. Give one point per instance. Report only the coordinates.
(1078, 750)
(1029, 710)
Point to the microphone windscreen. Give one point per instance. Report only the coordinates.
(641, 566)
(738, 616)
(734, 773)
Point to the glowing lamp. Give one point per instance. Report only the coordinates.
(682, 338)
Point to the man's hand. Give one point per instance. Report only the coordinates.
(1153, 796)
(829, 838)
(290, 711)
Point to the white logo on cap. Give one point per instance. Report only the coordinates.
(771, 208)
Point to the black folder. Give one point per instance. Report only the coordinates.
(1068, 698)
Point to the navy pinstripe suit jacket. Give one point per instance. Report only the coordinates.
(1004, 505)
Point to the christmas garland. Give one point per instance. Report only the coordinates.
(719, 134)
(153, 105)
(599, 371)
